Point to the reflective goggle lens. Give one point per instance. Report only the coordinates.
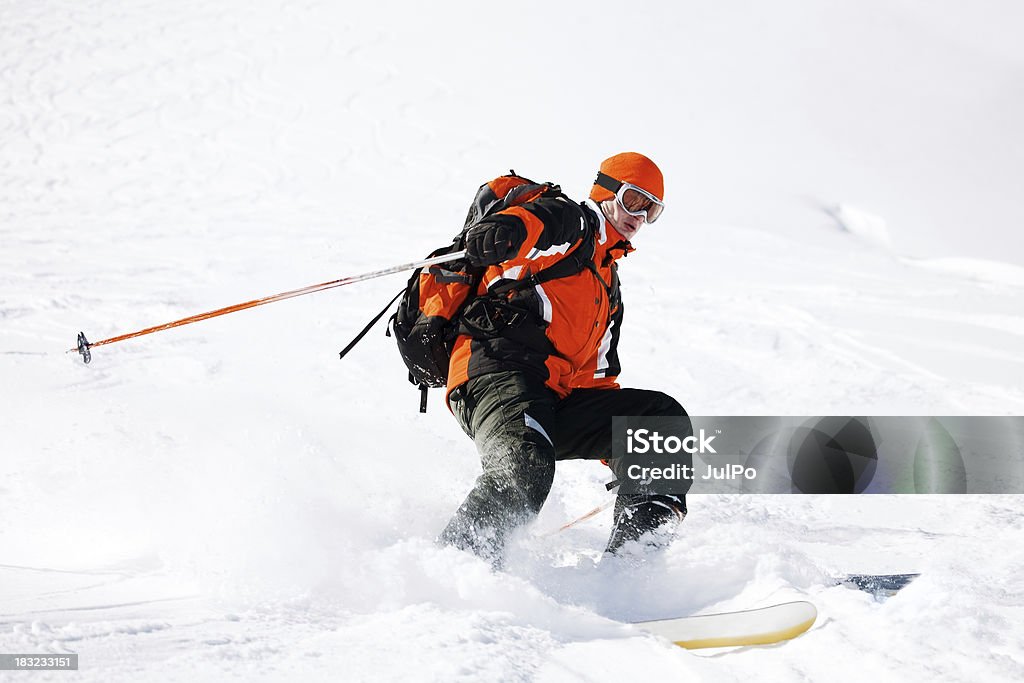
(636, 202)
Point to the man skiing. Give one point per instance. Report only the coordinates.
(532, 378)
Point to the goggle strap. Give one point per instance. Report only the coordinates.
(607, 182)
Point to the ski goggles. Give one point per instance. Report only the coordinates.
(634, 200)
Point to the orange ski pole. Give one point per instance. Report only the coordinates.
(84, 346)
(593, 513)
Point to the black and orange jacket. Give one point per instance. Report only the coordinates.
(565, 330)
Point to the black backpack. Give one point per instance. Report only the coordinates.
(426, 323)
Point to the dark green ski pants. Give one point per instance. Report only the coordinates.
(521, 428)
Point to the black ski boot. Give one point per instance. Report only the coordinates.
(636, 515)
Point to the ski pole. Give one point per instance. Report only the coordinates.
(610, 486)
(84, 346)
(582, 518)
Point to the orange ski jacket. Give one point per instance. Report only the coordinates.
(565, 330)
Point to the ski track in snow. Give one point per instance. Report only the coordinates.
(198, 504)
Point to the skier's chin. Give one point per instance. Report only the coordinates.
(627, 233)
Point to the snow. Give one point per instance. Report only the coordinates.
(228, 501)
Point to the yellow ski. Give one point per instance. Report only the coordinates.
(762, 626)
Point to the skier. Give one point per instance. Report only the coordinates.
(532, 380)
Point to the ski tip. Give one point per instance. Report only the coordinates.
(762, 626)
(765, 638)
(800, 618)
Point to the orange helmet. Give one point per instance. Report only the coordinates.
(632, 168)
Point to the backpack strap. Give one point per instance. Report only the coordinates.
(564, 268)
(370, 324)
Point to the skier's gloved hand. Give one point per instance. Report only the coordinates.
(491, 242)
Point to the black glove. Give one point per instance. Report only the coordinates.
(490, 242)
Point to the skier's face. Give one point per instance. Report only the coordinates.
(625, 224)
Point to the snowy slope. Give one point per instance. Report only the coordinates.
(229, 501)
